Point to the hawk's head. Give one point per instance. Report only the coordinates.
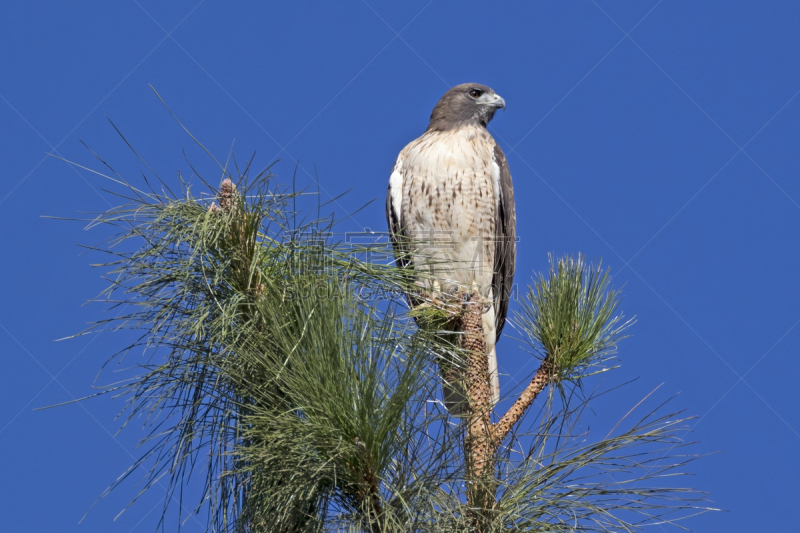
(468, 103)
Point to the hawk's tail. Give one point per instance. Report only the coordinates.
(455, 397)
(494, 378)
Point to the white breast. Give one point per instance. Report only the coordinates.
(449, 202)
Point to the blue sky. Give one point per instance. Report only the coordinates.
(660, 136)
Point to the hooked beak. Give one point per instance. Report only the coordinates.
(498, 102)
(492, 100)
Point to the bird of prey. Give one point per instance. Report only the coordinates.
(450, 209)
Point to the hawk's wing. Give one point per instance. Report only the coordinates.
(505, 254)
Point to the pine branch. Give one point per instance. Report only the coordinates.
(515, 413)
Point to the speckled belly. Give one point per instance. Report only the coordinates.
(450, 214)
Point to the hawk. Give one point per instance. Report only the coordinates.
(450, 209)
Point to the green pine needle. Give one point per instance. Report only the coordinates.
(282, 370)
(569, 318)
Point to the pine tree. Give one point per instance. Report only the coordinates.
(287, 369)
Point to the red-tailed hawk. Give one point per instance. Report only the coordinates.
(450, 208)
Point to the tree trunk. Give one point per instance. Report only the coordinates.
(478, 443)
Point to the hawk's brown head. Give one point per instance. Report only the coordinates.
(468, 103)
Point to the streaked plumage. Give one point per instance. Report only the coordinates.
(450, 208)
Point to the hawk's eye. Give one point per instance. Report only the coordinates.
(475, 93)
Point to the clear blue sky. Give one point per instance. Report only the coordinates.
(661, 136)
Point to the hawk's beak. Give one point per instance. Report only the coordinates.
(498, 102)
